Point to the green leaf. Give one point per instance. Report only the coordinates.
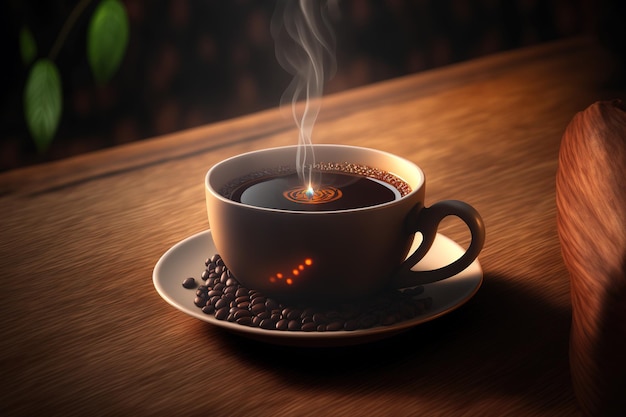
(28, 47)
(107, 38)
(43, 102)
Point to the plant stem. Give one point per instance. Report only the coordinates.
(67, 26)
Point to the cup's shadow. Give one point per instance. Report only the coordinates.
(508, 338)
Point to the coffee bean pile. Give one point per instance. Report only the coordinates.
(225, 298)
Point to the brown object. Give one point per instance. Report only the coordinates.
(591, 204)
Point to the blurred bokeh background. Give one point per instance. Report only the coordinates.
(192, 62)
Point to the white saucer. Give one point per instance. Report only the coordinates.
(186, 259)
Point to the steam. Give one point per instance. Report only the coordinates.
(304, 45)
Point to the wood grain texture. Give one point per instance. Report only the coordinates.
(85, 333)
(591, 201)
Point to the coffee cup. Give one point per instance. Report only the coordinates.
(321, 251)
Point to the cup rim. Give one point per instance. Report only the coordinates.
(401, 200)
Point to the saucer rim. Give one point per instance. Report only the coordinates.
(341, 337)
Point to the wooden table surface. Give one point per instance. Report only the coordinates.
(83, 331)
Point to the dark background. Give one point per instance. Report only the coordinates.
(192, 62)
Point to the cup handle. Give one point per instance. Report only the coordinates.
(427, 222)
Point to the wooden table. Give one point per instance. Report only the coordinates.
(85, 333)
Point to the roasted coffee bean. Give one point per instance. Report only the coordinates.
(293, 325)
(219, 286)
(208, 309)
(222, 313)
(257, 308)
(245, 321)
(221, 303)
(213, 300)
(308, 327)
(199, 301)
(319, 318)
(264, 314)
(242, 292)
(244, 304)
(282, 324)
(242, 313)
(189, 283)
(214, 293)
(334, 326)
(267, 324)
(242, 298)
(258, 301)
(294, 314)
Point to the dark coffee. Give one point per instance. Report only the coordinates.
(331, 190)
